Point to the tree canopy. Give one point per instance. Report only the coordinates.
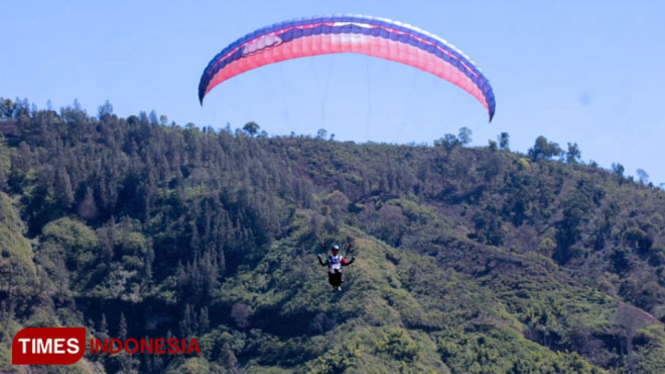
(470, 259)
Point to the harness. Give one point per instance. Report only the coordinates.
(335, 264)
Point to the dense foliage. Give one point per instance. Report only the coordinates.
(470, 260)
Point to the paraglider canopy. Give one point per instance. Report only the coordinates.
(377, 37)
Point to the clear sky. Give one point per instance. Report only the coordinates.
(587, 72)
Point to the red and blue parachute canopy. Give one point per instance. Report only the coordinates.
(370, 36)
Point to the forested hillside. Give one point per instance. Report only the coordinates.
(469, 260)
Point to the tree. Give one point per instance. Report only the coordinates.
(488, 226)
(544, 149)
(573, 155)
(618, 169)
(251, 128)
(391, 224)
(228, 358)
(493, 146)
(321, 134)
(152, 118)
(492, 168)
(630, 320)
(464, 135)
(643, 176)
(122, 327)
(87, 208)
(6, 108)
(504, 141)
(105, 110)
(338, 204)
(449, 142)
(63, 188)
(240, 315)
(103, 332)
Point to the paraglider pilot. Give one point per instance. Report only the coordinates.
(335, 262)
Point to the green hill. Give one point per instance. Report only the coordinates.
(470, 260)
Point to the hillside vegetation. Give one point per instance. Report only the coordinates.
(470, 260)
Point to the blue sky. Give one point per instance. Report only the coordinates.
(586, 72)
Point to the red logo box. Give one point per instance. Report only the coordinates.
(48, 346)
